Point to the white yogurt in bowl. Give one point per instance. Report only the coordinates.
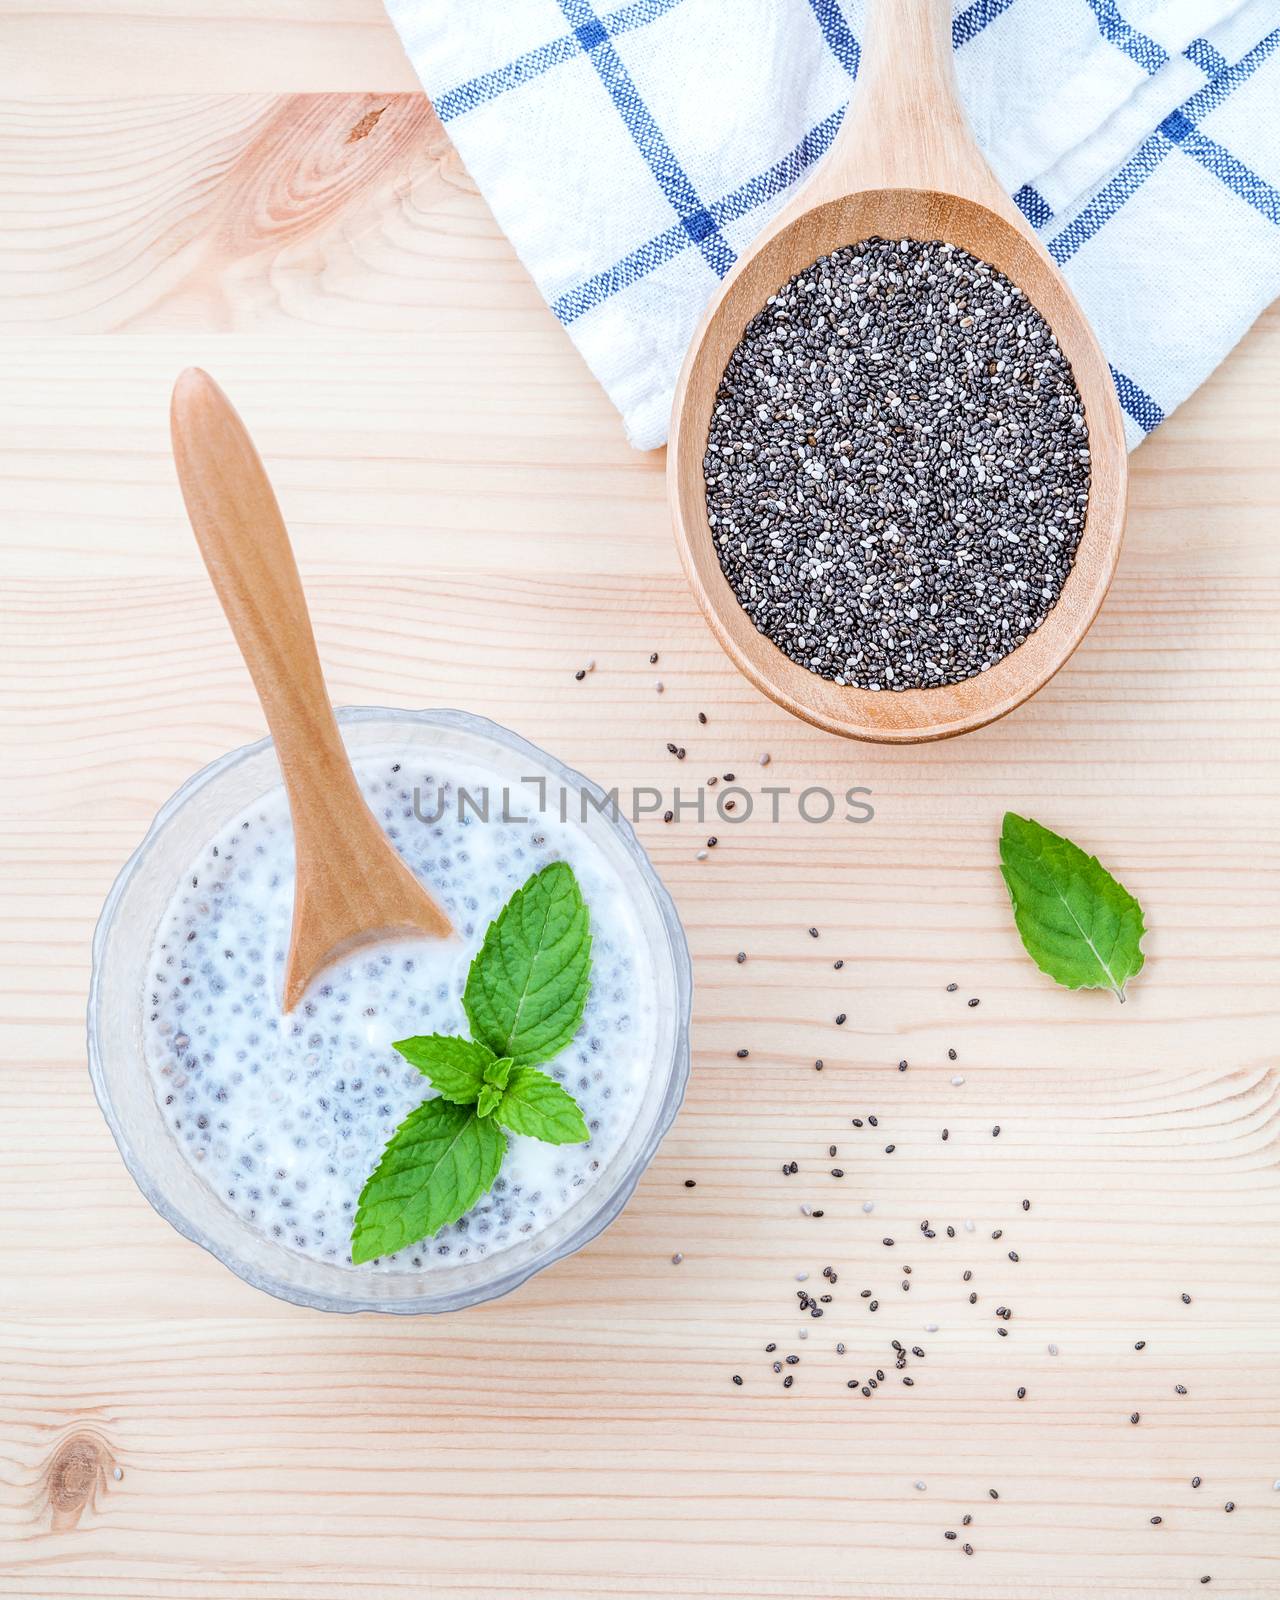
(253, 1130)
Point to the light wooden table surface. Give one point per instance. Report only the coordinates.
(180, 183)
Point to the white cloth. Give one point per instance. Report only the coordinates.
(632, 151)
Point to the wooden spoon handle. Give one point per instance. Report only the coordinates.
(906, 127)
(245, 545)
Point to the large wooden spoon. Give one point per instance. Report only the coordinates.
(352, 887)
(904, 165)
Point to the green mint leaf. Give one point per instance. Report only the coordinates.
(1078, 924)
(438, 1163)
(498, 1073)
(527, 986)
(456, 1067)
(539, 1106)
(490, 1095)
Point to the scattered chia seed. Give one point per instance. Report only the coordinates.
(677, 1258)
(742, 956)
(737, 1378)
(897, 467)
(691, 1183)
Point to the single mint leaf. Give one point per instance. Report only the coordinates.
(539, 1106)
(490, 1095)
(527, 986)
(455, 1066)
(498, 1073)
(438, 1163)
(1078, 924)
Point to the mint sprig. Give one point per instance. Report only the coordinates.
(525, 995)
(1077, 923)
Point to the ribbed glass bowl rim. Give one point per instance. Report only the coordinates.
(512, 1278)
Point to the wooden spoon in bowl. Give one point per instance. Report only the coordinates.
(904, 165)
(352, 887)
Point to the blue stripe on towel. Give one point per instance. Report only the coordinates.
(648, 136)
(1137, 46)
(1140, 406)
(738, 203)
(533, 63)
(839, 36)
(1179, 131)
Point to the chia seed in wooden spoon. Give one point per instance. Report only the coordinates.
(897, 468)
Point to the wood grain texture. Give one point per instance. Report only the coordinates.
(471, 529)
(104, 47)
(904, 165)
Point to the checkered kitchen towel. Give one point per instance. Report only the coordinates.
(632, 152)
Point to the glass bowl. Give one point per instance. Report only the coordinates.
(122, 946)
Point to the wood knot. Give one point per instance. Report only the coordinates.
(365, 126)
(78, 1467)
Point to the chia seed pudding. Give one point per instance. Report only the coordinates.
(897, 466)
(284, 1116)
